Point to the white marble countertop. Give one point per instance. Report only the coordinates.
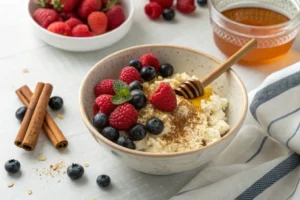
(19, 49)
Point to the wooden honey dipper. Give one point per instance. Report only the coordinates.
(194, 88)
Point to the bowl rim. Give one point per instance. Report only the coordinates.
(128, 19)
(113, 145)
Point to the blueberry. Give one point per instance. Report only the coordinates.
(139, 100)
(166, 70)
(75, 171)
(100, 121)
(110, 133)
(168, 14)
(148, 73)
(136, 64)
(20, 113)
(12, 166)
(202, 2)
(137, 132)
(103, 181)
(125, 142)
(135, 85)
(56, 103)
(155, 126)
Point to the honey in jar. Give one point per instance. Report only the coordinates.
(259, 17)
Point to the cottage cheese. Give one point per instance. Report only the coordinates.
(188, 127)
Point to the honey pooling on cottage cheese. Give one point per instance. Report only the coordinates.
(194, 124)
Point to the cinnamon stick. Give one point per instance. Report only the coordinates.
(28, 115)
(37, 120)
(49, 126)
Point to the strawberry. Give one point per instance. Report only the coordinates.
(153, 10)
(81, 30)
(45, 16)
(163, 3)
(115, 17)
(97, 22)
(72, 22)
(68, 15)
(60, 28)
(64, 5)
(186, 6)
(104, 87)
(123, 117)
(164, 98)
(86, 7)
(130, 74)
(104, 105)
(150, 60)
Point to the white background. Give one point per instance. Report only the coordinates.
(65, 70)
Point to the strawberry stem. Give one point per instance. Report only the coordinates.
(57, 5)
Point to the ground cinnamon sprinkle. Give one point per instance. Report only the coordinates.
(179, 121)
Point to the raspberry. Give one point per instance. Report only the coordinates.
(123, 117)
(163, 3)
(104, 105)
(150, 60)
(153, 10)
(104, 87)
(186, 6)
(130, 74)
(164, 98)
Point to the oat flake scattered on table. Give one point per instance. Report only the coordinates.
(86, 164)
(29, 192)
(10, 184)
(43, 158)
(60, 116)
(25, 70)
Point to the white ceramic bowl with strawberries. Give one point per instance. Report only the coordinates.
(82, 44)
(183, 59)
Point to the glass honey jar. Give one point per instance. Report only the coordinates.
(273, 23)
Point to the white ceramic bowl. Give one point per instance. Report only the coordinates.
(184, 60)
(83, 44)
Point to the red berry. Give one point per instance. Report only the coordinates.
(153, 10)
(104, 87)
(186, 6)
(45, 16)
(123, 117)
(86, 7)
(104, 105)
(64, 5)
(68, 15)
(164, 98)
(130, 74)
(60, 28)
(115, 17)
(81, 30)
(72, 22)
(150, 60)
(97, 22)
(163, 3)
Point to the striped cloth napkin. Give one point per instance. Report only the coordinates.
(262, 162)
